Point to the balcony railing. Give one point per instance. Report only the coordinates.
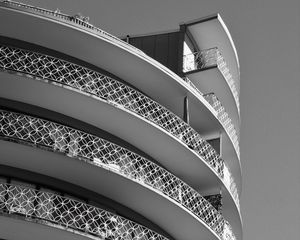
(224, 119)
(55, 210)
(200, 60)
(48, 135)
(77, 20)
(210, 58)
(86, 81)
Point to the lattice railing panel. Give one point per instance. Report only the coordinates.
(70, 213)
(91, 82)
(74, 143)
(209, 58)
(199, 60)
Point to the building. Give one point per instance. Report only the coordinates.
(100, 140)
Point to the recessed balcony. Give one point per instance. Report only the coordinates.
(224, 119)
(211, 58)
(46, 135)
(120, 96)
(221, 114)
(20, 202)
(210, 32)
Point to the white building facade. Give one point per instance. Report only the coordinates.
(106, 138)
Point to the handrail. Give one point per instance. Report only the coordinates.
(55, 210)
(84, 80)
(209, 58)
(48, 135)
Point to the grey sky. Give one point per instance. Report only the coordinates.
(267, 37)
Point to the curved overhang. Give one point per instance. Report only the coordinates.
(211, 80)
(142, 198)
(129, 64)
(124, 124)
(210, 32)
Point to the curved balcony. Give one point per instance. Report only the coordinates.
(224, 118)
(73, 143)
(226, 121)
(210, 32)
(89, 82)
(77, 20)
(221, 114)
(210, 58)
(53, 210)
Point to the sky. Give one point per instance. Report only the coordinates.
(267, 37)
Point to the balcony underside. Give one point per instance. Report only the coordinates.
(212, 32)
(144, 200)
(16, 228)
(141, 71)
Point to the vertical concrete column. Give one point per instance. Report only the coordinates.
(186, 116)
